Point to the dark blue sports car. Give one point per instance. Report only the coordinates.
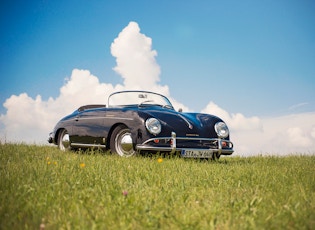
(141, 121)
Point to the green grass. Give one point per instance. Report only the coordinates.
(40, 185)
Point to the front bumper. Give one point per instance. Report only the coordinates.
(174, 144)
(51, 138)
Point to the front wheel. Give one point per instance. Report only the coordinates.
(121, 142)
(64, 140)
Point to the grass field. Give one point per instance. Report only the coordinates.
(43, 187)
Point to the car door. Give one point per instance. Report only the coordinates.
(88, 127)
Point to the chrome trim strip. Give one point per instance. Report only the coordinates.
(92, 118)
(88, 118)
(188, 123)
(120, 118)
(87, 145)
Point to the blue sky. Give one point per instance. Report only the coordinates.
(251, 57)
(257, 57)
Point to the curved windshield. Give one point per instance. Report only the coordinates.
(140, 98)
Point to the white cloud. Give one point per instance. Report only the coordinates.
(282, 135)
(313, 132)
(298, 138)
(235, 121)
(85, 88)
(276, 135)
(135, 58)
(30, 120)
(136, 64)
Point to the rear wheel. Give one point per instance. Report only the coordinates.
(216, 156)
(64, 140)
(121, 142)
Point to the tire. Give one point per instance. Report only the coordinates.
(121, 142)
(216, 156)
(64, 140)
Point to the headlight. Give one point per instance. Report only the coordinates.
(221, 129)
(153, 126)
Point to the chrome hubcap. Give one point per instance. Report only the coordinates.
(65, 141)
(126, 142)
(124, 145)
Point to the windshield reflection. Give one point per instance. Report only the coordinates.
(125, 98)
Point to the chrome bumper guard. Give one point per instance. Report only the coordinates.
(50, 138)
(173, 148)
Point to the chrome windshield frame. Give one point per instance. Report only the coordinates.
(137, 97)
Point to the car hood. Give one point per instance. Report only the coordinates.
(185, 124)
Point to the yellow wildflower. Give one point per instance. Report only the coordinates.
(160, 160)
(82, 165)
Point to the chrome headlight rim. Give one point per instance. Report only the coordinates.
(221, 129)
(153, 125)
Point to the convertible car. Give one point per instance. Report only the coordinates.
(139, 122)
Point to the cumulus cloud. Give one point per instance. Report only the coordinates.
(313, 132)
(135, 58)
(31, 119)
(276, 135)
(136, 63)
(298, 138)
(235, 121)
(279, 136)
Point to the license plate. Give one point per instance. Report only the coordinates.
(196, 153)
